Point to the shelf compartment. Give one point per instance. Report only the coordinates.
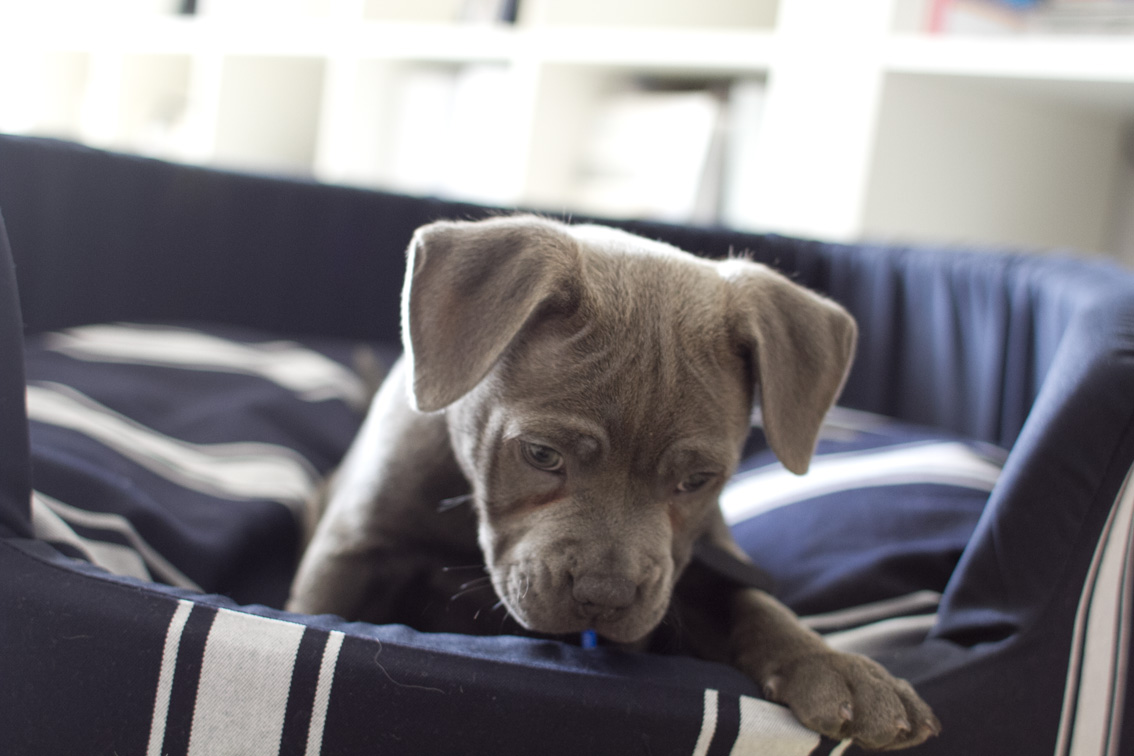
(999, 161)
(152, 104)
(267, 114)
(42, 93)
(729, 14)
(426, 128)
(636, 143)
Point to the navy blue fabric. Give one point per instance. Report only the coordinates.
(1073, 456)
(856, 547)
(15, 486)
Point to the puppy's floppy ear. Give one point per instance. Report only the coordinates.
(470, 288)
(801, 345)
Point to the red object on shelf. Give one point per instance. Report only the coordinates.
(937, 11)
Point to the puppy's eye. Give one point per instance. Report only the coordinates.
(695, 482)
(542, 457)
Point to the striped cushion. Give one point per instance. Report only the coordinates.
(185, 455)
(884, 512)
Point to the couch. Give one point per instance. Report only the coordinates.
(185, 354)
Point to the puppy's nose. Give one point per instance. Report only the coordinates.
(606, 591)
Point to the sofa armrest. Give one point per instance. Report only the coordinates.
(1047, 518)
(15, 468)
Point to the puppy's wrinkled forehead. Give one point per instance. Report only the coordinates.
(646, 350)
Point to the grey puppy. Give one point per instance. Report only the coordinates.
(592, 389)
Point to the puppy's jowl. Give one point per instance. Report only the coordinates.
(591, 390)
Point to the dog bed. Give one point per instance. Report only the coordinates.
(196, 355)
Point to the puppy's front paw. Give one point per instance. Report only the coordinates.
(849, 696)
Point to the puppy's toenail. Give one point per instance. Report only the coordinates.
(846, 711)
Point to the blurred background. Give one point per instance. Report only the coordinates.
(1002, 122)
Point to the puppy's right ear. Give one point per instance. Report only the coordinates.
(470, 288)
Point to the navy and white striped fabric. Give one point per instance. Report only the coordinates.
(188, 456)
(885, 511)
(182, 455)
(152, 672)
(1096, 696)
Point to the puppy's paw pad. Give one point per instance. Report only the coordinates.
(849, 696)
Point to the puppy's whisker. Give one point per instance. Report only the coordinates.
(471, 587)
(464, 567)
(453, 502)
(480, 581)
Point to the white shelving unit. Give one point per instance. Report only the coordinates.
(856, 127)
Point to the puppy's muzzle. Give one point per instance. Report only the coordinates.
(602, 595)
(549, 598)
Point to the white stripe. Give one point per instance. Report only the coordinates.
(767, 729)
(884, 635)
(311, 375)
(233, 471)
(165, 676)
(1122, 666)
(918, 602)
(767, 488)
(243, 690)
(708, 723)
(323, 693)
(112, 557)
(139, 560)
(1091, 721)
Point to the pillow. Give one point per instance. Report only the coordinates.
(188, 455)
(884, 512)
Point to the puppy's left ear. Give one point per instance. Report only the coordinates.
(801, 346)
